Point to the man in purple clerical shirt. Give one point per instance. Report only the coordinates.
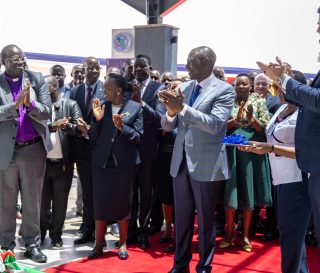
(25, 106)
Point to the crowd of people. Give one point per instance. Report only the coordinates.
(148, 150)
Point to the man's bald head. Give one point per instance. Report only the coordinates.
(200, 63)
(8, 50)
(53, 86)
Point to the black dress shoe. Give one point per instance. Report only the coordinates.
(8, 248)
(84, 239)
(154, 229)
(132, 239)
(165, 240)
(81, 230)
(144, 242)
(35, 255)
(269, 236)
(170, 248)
(184, 270)
(123, 255)
(57, 243)
(95, 253)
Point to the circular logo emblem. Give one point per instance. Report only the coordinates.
(122, 42)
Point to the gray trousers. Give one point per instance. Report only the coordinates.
(25, 172)
(189, 195)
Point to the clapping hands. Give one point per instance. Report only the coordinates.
(136, 92)
(61, 123)
(118, 121)
(245, 113)
(24, 96)
(172, 101)
(98, 110)
(82, 126)
(275, 70)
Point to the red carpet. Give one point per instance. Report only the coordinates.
(265, 258)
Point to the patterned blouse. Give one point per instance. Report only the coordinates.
(260, 111)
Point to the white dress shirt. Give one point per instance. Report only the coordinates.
(56, 152)
(203, 84)
(284, 170)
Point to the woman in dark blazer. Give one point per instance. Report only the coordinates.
(114, 134)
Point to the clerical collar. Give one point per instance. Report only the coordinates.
(8, 78)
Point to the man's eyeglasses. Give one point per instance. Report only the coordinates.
(18, 60)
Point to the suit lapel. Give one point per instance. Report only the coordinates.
(79, 97)
(109, 121)
(123, 107)
(148, 91)
(204, 93)
(33, 94)
(188, 91)
(316, 80)
(5, 89)
(57, 106)
(269, 99)
(96, 94)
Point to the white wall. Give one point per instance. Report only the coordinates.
(240, 31)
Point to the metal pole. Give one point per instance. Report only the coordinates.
(153, 12)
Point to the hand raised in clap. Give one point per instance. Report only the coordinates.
(62, 123)
(98, 110)
(274, 70)
(82, 126)
(136, 92)
(24, 95)
(118, 121)
(172, 101)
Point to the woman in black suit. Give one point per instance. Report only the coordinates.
(114, 133)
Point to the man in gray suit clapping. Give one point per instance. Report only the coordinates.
(25, 106)
(199, 110)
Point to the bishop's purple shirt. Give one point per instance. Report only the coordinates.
(25, 129)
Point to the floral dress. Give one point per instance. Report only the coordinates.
(249, 184)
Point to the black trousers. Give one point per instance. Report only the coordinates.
(55, 192)
(294, 210)
(142, 196)
(85, 175)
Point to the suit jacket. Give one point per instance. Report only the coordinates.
(39, 115)
(153, 110)
(66, 108)
(307, 134)
(112, 145)
(78, 94)
(201, 130)
(273, 103)
(80, 144)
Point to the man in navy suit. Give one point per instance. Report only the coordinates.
(84, 94)
(307, 134)
(145, 92)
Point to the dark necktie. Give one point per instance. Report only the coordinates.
(88, 99)
(195, 94)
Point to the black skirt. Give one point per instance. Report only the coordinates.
(112, 192)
